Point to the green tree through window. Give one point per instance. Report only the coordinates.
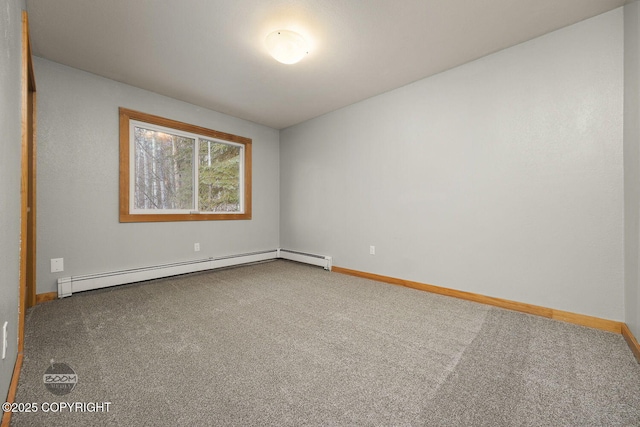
(172, 171)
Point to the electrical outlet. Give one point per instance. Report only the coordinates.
(5, 342)
(196, 247)
(372, 250)
(57, 265)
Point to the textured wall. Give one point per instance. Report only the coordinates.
(502, 177)
(10, 143)
(78, 181)
(632, 164)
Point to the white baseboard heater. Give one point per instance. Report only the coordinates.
(70, 285)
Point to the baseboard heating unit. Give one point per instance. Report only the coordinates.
(70, 285)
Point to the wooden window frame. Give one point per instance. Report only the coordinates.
(126, 116)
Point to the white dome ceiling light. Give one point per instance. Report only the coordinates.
(286, 46)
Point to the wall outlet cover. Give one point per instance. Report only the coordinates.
(57, 265)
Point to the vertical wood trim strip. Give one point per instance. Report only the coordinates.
(124, 163)
(32, 203)
(24, 181)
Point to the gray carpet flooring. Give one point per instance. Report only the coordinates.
(286, 344)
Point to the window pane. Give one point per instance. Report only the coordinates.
(163, 170)
(219, 177)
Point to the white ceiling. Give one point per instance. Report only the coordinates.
(211, 52)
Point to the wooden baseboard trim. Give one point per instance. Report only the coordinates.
(631, 341)
(13, 388)
(588, 321)
(49, 296)
(550, 313)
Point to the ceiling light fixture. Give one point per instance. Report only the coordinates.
(286, 46)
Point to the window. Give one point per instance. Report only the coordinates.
(173, 171)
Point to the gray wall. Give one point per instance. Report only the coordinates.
(77, 217)
(632, 164)
(10, 129)
(502, 177)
